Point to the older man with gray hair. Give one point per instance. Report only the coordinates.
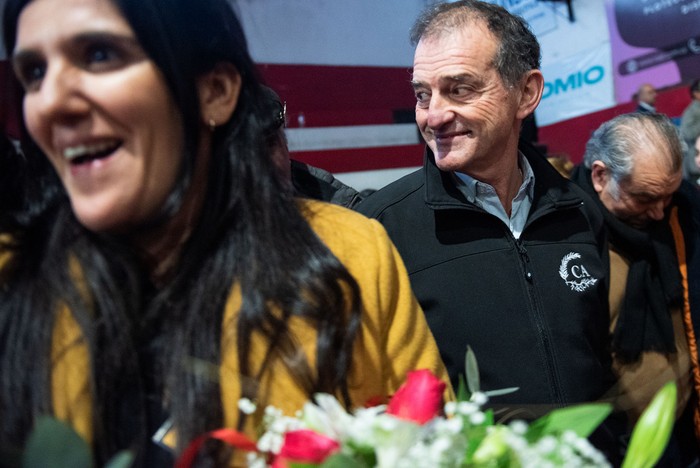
(633, 167)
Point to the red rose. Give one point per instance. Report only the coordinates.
(419, 399)
(305, 446)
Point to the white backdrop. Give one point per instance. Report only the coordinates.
(330, 32)
(375, 33)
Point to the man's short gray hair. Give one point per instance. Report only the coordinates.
(616, 141)
(518, 51)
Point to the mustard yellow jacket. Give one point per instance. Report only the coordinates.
(394, 337)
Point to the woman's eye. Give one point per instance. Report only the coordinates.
(101, 56)
(30, 74)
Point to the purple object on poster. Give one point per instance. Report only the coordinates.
(653, 41)
(657, 23)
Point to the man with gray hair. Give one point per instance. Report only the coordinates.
(504, 254)
(633, 167)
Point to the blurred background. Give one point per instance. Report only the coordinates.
(343, 69)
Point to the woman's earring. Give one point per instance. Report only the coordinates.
(212, 124)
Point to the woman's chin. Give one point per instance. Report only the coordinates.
(103, 221)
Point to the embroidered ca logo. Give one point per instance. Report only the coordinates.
(581, 280)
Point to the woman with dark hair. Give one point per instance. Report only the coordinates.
(10, 170)
(27, 185)
(174, 272)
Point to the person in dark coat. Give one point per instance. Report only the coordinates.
(505, 255)
(646, 98)
(308, 181)
(633, 168)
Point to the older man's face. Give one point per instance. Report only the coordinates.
(644, 195)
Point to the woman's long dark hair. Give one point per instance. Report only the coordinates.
(27, 185)
(251, 232)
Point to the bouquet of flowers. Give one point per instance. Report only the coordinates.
(415, 429)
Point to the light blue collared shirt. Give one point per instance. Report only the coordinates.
(484, 196)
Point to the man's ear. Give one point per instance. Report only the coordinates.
(218, 92)
(599, 176)
(531, 89)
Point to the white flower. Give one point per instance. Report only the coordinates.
(453, 425)
(517, 441)
(361, 428)
(254, 460)
(466, 408)
(450, 408)
(393, 438)
(547, 444)
(270, 442)
(326, 417)
(276, 425)
(439, 443)
(479, 398)
(518, 426)
(247, 406)
(477, 418)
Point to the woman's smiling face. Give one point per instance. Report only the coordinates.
(100, 109)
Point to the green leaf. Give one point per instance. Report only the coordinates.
(582, 419)
(475, 435)
(490, 418)
(54, 444)
(341, 460)
(652, 431)
(365, 455)
(471, 367)
(492, 448)
(462, 392)
(501, 391)
(123, 459)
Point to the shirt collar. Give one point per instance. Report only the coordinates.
(646, 106)
(468, 185)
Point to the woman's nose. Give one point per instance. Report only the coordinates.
(59, 96)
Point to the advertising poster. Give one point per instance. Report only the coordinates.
(576, 85)
(653, 41)
(576, 59)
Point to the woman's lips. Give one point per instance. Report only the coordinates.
(83, 153)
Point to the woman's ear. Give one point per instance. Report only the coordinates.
(531, 89)
(218, 92)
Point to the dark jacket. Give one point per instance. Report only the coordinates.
(687, 199)
(663, 307)
(534, 310)
(319, 184)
